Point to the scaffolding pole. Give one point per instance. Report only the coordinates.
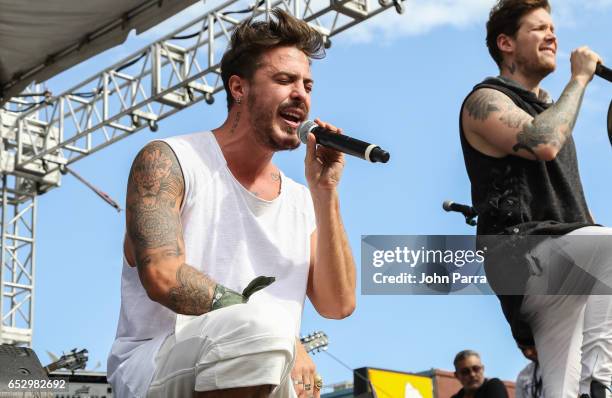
(18, 260)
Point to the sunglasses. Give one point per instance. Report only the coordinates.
(467, 371)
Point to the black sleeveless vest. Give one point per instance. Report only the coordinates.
(517, 196)
(513, 195)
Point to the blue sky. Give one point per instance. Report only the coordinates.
(395, 80)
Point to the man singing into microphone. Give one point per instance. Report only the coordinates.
(210, 217)
(521, 161)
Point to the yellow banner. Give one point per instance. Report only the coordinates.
(390, 384)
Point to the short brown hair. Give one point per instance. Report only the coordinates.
(505, 18)
(252, 38)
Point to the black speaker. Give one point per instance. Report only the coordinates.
(18, 364)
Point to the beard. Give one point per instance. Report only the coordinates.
(534, 67)
(263, 121)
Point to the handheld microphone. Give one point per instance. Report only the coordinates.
(606, 73)
(342, 143)
(603, 72)
(467, 211)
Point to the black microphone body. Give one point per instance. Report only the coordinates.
(343, 143)
(604, 72)
(467, 211)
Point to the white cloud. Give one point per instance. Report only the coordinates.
(422, 16)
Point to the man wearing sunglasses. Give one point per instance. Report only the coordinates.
(469, 370)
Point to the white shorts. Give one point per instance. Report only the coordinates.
(573, 333)
(238, 346)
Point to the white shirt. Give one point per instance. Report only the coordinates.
(232, 236)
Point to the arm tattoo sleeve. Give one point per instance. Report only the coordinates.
(554, 125)
(480, 105)
(155, 190)
(193, 292)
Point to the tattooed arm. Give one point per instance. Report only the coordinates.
(494, 125)
(154, 239)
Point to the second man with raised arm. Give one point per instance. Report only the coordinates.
(521, 160)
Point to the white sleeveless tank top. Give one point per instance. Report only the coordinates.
(232, 236)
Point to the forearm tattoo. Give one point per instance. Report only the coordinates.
(551, 127)
(155, 190)
(554, 125)
(193, 292)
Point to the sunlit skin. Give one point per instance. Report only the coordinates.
(499, 126)
(529, 352)
(273, 103)
(264, 118)
(530, 55)
(495, 126)
(268, 109)
(158, 168)
(473, 380)
(279, 97)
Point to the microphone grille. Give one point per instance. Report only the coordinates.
(446, 205)
(305, 127)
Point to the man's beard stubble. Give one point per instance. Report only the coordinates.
(263, 127)
(534, 68)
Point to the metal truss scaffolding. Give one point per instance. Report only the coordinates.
(39, 139)
(167, 76)
(17, 260)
